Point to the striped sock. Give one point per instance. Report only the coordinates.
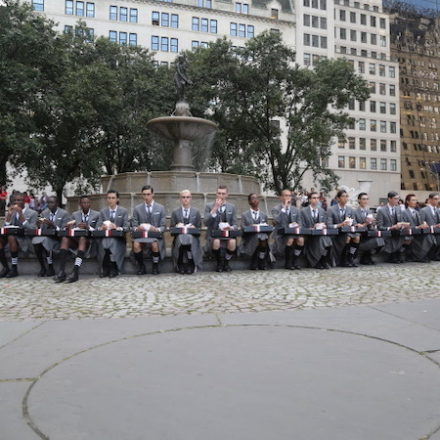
(78, 261)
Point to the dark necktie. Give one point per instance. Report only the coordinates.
(185, 217)
(52, 217)
(342, 213)
(148, 213)
(255, 216)
(85, 218)
(314, 215)
(112, 215)
(223, 214)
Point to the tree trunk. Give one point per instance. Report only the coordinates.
(3, 173)
(59, 193)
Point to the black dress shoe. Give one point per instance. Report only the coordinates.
(73, 277)
(13, 272)
(4, 272)
(60, 278)
(42, 273)
(50, 271)
(142, 270)
(226, 267)
(156, 269)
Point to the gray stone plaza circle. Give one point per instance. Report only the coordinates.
(343, 354)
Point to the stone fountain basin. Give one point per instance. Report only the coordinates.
(178, 128)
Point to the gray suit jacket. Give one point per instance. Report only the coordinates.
(194, 217)
(283, 219)
(384, 220)
(334, 216)
(360, 216)
(62, 217)
(307, 219)
(30, 221)
(427, 216)
(248, 220)
(415, 220)
(229, 216)
(121, 219)
(92, 221)
(157, 217)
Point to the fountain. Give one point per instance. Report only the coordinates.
(184, 130)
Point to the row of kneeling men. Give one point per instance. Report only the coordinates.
(340, 236)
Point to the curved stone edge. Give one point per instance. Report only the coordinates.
(34, 427)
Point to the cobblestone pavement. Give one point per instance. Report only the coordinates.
(209, 292)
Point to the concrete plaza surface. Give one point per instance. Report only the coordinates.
(294, 366)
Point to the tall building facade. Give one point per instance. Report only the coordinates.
(369, 158)
(415, 43)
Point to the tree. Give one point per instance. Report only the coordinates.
(276, 116)
(27, 47)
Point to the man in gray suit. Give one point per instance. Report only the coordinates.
(364, 218)
(111, 250)
(345, 245)
(86, 219)
(255, 245)
(149, 216)
(431, 215)
(421, 244)
(317, 247)
(389, 218)
(52, 218)
(187, 254)
(20, 216)
(290, 246)
(221, 215)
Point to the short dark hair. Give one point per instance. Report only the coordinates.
(250, 195)
(392, 194)
(147, 187)
(311, 194)
(432, 195)
(222, 187)
(408, 198)
(341, 192)
(285, 189)
(360, 195)
(113, 191)
(84, 196)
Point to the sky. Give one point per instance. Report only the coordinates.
(425, 4)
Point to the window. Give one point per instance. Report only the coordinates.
(381, 70)
(373, 125)
(174, 45)
(133, 15)
(341, 161)
(323, 21)
(38, 5)
(250, 31)
(175, 21)
(342, 14)
(112, 36)
(372, 21)
(68, 7)
(362, 144)
(213, 26)
(68, 29)
(382, 89)
(155, 18)
(306, 39)
(90, 12)
(373, 144)
(392, 90)
(411, 174)
(351, 143)
(361, 106)
(241, 30)
(123, 14)
(392, 72)
(362, 125)
(372, 69)
(204, 24)
(80, 9)
(315, 21)
(323, 4)
(373, 106)
(373, 39)
(383, 107)
(393, 146)
(352, 17)
(165, 19)
(383, 41)
(363, 37)
(233, 29)
(343, 34)
(353, 34)
(383, 145)
(393, 165)
(194, 44)
(383, 164)
(382, 23)
(133, 39)
(373, 163)
(306, 20)
(315, 41)
(361, 67)
(196, 25)
(245, 8)
(204, 4)
(383, 126)
(307, 59)
(353, 51)
(274, 13)
(362, 163)
(323, 42)
(154, 42)
(113, 12)
(123, 38)
(352, 162)
(363, 19)
(164, 44)
(372, 86)
(393, 127)
(351, 104)
(306, 3)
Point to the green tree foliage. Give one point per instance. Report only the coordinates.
(276, 120)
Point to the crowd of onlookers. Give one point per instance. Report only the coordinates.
(38, 204)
